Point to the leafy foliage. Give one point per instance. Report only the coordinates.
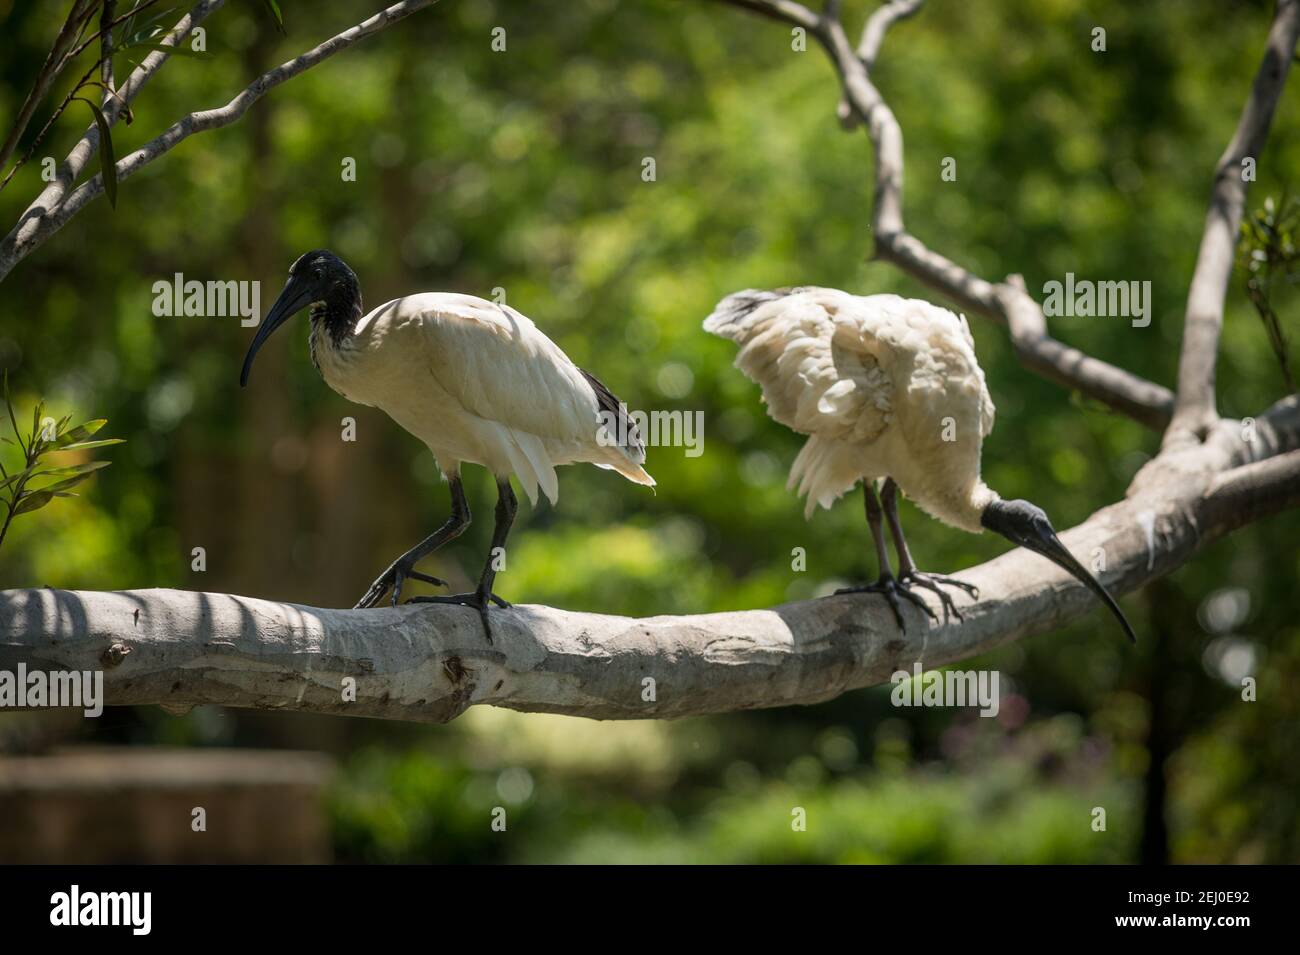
(46, 436)
(1269, 254)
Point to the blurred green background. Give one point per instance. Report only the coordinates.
(522, 170)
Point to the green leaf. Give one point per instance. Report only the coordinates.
(87, 467)
(65, 469)
(82, 431)
(66, 483)
(107, 162)
(274, 7)
(33, 501)
(13, 419)
(83, 445)
(35, 435)
(146, 29)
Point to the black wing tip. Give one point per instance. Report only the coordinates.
(608, 401)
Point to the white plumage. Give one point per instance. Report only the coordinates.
(478, 383)
(883, 386)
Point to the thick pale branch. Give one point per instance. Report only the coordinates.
(862, 103)
(427, 662)
(1195, 410)
(1255, 490)
(39, 225)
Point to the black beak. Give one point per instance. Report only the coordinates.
(1044, 541)
(297, 295)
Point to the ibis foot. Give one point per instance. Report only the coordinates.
(891, 588)
(392, 579)
(933, 581)
(478, 599)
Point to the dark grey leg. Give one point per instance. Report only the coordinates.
(877, 532)
(507, 507)
(886, 584)
(403, 568)
(907, 572)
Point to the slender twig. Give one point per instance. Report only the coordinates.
(140, 7)
(30, 230)
(50, 70)
(106, 49)
(34, 230)
(49, 123)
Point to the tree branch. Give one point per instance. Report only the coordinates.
(873, 35)
(1007, 303)
(54, 63)
(36, 228)
(1195, 410)
(106, 52)
(431, 662)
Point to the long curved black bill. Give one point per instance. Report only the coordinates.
(1050, 546)
(295, 296)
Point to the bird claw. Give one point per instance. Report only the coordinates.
(478, 600)
(393, 578)
(891, 588)
(932, 582)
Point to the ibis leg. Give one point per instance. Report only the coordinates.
(404, 567)
(507, 506)
(886, 584)
(907, 572)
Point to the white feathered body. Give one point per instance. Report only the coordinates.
(883, 386)
(478, 383)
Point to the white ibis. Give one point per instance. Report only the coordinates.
(477, 382)
(885, 388)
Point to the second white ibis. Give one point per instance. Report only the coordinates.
(886, 388)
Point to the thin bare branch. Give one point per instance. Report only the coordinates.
(873, 35)
(788, 10)
(33, 226)
(878, 24)
(49, 123)
(1195, 408)
(106, 50)
(138, 8)
(45, 79)
(34, 230)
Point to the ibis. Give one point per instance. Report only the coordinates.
(887, 389)
(476, 381)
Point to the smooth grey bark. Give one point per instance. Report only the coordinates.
(429, 662)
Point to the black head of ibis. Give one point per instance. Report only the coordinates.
(1026, 525)
(320, 279)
